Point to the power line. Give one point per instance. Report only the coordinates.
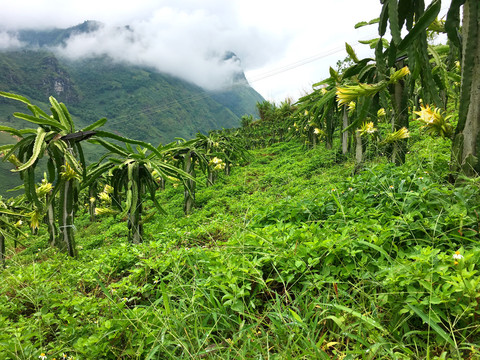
(296, 64)
(264, 75)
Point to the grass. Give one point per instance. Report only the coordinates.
(293, 256)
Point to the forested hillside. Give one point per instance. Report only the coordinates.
(138, 102)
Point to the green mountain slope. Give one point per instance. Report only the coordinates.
(138, 102)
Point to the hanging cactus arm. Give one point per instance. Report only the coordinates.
(113, 148)
(95, 125)
(452, 24)
(383, 20)
(37, 112)
(29, 185)
(152, 187)
(356, 69)
(421, 24)
(81, 158)
(15, 97)
(11, 131)
(130, 190)
(105, 134)
(60, 112)
(94, 173)
(38, 149)
(395, 27)
(21, 146)
(40, 121)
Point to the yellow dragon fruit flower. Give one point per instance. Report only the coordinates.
(44, 189)
(399, 74)
(351, 106)
(435, 123)
(103, 196)
(215, 161)
(69, 173)
(349, 93)
(367, 128)
(105, 211)
(219, 166)
(398, 135)
(35, 217)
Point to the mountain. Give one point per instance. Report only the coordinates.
(55, 36)
(138, 101)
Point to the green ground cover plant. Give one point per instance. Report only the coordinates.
(292, 256)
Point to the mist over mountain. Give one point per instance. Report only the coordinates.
(101, 71)
(97, 76)
(187, 46)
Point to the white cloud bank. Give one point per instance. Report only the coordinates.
(185, 57)
(188, 39)
(8, 41)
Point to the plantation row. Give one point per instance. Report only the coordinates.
(372, 101)
(129, 173)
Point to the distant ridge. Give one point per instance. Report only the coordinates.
(55, 37)
(138, 101)
(143, 102)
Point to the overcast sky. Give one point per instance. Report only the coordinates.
(284, 46)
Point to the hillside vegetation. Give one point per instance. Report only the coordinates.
(139, 102)
(292, 256)
(344, 225)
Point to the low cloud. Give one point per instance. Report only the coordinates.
(9, 41)
(163, 43)
(187, 40)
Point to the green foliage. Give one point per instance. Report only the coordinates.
(55, 137)
(272, 127)
(299, 253)
(292, 249)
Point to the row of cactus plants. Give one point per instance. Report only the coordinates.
(133, 170)
(408, 78)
